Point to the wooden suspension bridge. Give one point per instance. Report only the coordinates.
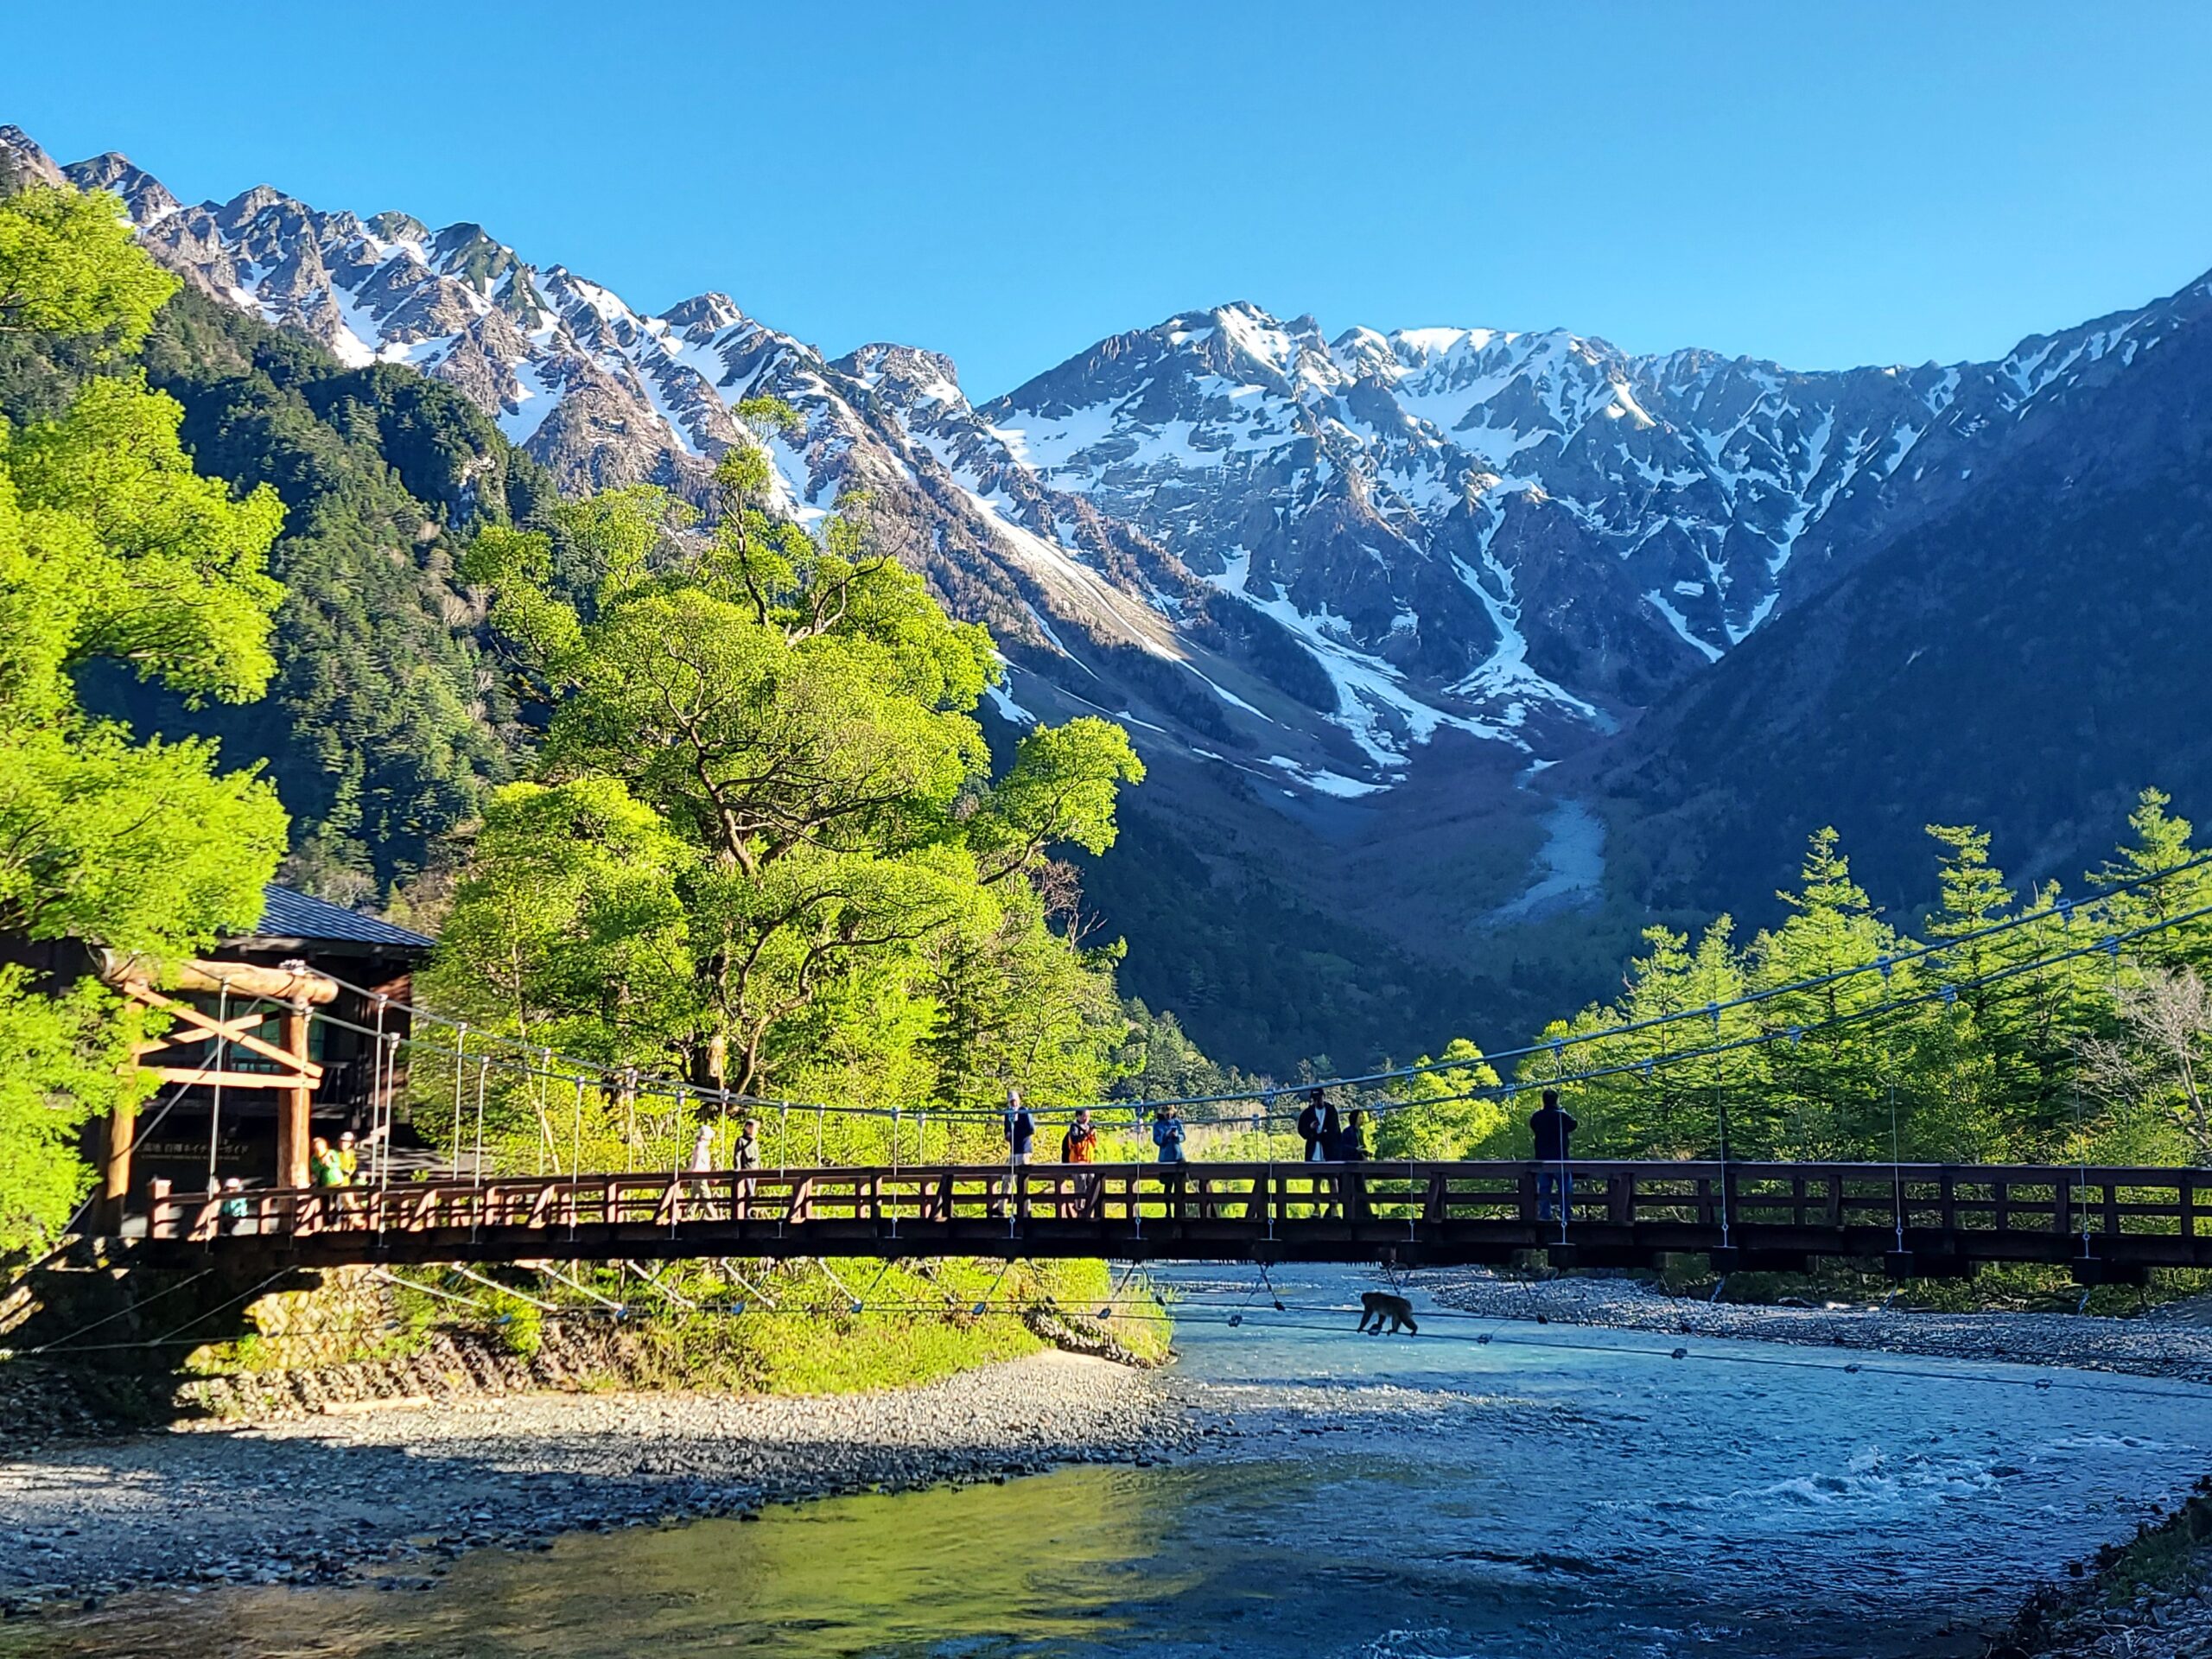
(2109, 1225)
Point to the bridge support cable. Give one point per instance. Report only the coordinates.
(380, 1173)
(681, 1301)
(69, 1336)
(541, 1101)
(1114, 1287)
(483, 1078)
(553, 1272)
(1274, 1295)
(844, 1289)
(746, 1285)
(1005, 1267)
(1897, 1168)
(576, 1153)
(1720, 1116)
(460, 1052)
(468, 1302)
(504, 1290)
(215, 1098)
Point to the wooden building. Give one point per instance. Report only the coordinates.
(272, 1041)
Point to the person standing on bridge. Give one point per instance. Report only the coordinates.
(1352, 1148)
(1325, 1149)
(746, 1157)
(1020, 1138)
(1080, 1145)
(1309, 1125)
(1167, 1136)
(326, 1174)
(1551, 1129)
(1020, 1129)
(702, 1160)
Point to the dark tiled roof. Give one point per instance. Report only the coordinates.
(290, 915)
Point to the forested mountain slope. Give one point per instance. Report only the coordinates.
(384, 722)
(2026, 661)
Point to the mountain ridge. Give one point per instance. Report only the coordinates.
(1330, 548)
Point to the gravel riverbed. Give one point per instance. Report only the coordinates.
(389, 1494)
(2174, 1346)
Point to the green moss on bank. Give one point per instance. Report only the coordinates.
(743, 1327)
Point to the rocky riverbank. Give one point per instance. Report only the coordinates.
(390, 1492)
(2149, 1598)
(2174, 1346)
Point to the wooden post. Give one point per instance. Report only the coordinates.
(115, 1185)
(294, 1105)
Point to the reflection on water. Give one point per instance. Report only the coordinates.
(1550, 1491)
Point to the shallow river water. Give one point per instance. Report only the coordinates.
(1550, 1490)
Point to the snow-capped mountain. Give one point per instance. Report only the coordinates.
(1297, 554)
(1487, 510)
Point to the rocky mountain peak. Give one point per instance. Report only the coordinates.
(142, 194)
(705, 315)
(23, 156)
(921, 385)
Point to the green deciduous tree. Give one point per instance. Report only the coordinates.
(112, 550)
(68, 268)
(764, 850)
(1432, 1116)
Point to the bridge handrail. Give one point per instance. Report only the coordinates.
(2057, 1195)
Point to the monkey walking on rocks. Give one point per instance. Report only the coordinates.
(1381, 1305)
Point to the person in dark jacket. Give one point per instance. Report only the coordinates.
(1309, 1125)
(1020, 1129)
(1332, 1135)
(1352, 1148)
(1551, 1129)
(1020, 1136)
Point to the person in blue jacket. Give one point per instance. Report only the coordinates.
(1167, 1134)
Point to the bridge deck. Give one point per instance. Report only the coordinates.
(1937, 1220)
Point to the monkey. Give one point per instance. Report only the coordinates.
(1380, 1305)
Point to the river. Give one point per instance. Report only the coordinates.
(1552, 1489)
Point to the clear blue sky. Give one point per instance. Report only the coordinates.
(1823, 184)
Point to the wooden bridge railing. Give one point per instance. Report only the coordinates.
(1931, 1219)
